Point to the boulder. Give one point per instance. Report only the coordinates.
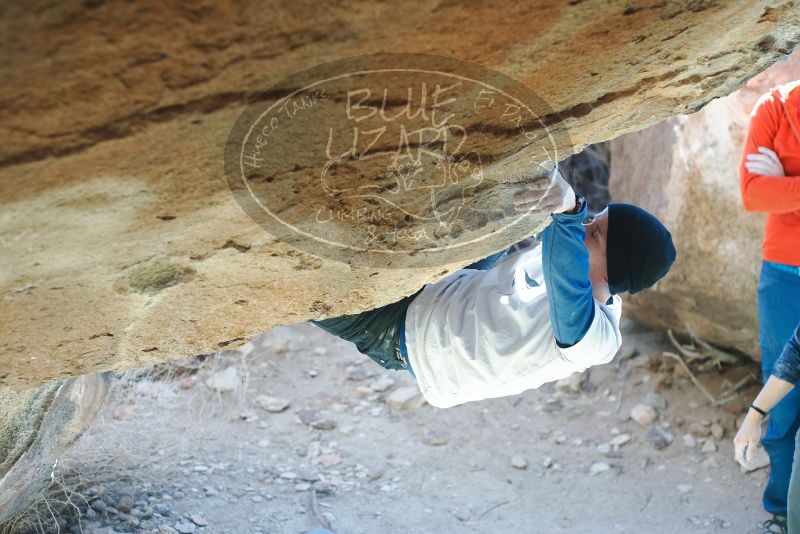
(123, 242)
(685, 170)
(36, 427)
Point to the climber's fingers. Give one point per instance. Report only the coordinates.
(528, 201)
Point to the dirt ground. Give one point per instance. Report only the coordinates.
(171, 454)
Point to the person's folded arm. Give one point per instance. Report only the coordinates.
(772, 194)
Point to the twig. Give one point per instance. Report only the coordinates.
(646, 502)
(697, 383)
(719, 354)
(692, 355)
(315, 508)
(622, 388)
(741, 383)
(493, 507)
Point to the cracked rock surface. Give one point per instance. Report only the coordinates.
(122, 246)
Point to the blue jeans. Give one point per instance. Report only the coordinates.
(778, 315)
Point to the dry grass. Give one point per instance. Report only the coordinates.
(118, 449)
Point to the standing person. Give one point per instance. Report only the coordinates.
(770, 182)
(785, 376)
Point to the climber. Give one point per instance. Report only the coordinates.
(769, 177)
(518, 319)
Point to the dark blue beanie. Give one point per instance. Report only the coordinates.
(639, 249)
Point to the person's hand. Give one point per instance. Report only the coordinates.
(765, 163)
(747, 439)
(546, 195)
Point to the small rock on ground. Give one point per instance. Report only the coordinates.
(222, 381)
(659, 438)
(272, 404)
(644, 414)
(405, 398)
(519, 462)
(382, 384)
(599, 467)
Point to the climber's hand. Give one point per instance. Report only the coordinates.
(545, 196)
(765, 163)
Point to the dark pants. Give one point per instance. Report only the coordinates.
(778, 314)
(376, 333)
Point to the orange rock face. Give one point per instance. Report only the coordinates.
(122, 241)
(686, 170)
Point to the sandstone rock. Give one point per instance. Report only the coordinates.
(405, 398)
(643, 414)
(760, 461)
(272, 404)
(323, 424)
(186, 528)
(382, 384)
(358, 374)
(599, 467)
(198, 520)
(462, 515)
(124, 230)
(330, 460)
(224, 380)
(659, 437)
(620, 440)
(36, 427)
(709, 446)
(606, 448)
(519, 462)
(656, 400)
(691, 162)
(434, 439)
(571, 384)
(129, 250)
(698, 429)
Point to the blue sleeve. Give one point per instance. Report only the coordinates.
(566, 276)
(787, 367)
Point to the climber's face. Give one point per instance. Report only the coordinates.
(596, 231)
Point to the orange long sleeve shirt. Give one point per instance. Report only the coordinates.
(775, 124)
